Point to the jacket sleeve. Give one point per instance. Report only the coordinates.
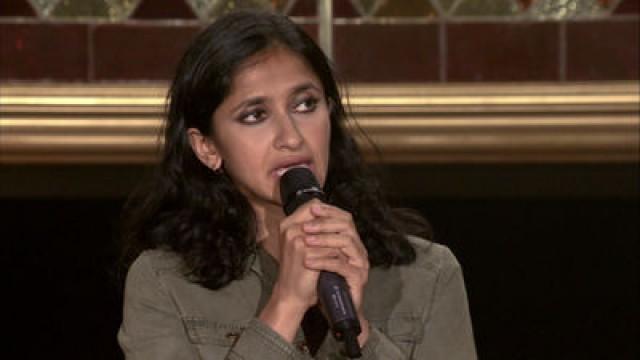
(152, 326)
(447, 331)
(259, 341)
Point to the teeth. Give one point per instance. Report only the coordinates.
(283, 170)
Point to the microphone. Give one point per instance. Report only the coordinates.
(297, 186)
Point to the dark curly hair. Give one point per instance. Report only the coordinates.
(198, 213)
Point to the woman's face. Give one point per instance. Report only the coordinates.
(275, 116)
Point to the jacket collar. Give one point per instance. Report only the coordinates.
(264, 265)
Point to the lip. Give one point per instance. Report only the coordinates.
(283, 165)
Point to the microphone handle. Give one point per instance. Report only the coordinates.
(334, 297)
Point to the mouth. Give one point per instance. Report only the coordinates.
(281, 169)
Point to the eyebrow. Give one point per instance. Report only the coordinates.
(262, 99)
(249, 102)
(305, 86)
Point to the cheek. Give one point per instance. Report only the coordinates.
(242, 156)
(234, 154)
(322, 145)
(326, 138)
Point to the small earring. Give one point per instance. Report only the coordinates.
(218, 170)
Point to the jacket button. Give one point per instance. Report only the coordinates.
(233, 336)
(302, 346)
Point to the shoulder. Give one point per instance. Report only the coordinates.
(408, 291)
(434, 263)
(431, 256)
(160, 279)
(153, 263)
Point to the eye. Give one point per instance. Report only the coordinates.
(253, 116)
(307, 105)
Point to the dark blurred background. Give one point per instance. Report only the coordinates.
(549, 249)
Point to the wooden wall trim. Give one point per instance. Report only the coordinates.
(44, 123)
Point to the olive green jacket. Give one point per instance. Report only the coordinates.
(416, 311)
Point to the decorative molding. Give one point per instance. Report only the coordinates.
(44, 123)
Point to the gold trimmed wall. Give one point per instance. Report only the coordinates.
(43, 123)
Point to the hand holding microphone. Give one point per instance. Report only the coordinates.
(336, 251)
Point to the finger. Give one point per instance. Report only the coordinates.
(292, 233)
(329, 240)
(302, 214)
(355, 253)
(327, 225)
(336, 265)
(341, 223)
(291, 226)
(328, 253)
(325, 210)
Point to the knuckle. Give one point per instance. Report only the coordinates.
(297, 243)
(289, 233)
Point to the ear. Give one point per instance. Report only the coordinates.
(205, 149)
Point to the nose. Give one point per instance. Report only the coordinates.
(288, 136)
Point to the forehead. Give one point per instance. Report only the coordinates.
(270, 70)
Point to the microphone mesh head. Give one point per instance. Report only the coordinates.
(295, 181)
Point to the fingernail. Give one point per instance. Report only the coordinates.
(312, 239)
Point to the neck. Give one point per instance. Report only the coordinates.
(268, 234)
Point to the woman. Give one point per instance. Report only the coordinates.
(215, 268)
